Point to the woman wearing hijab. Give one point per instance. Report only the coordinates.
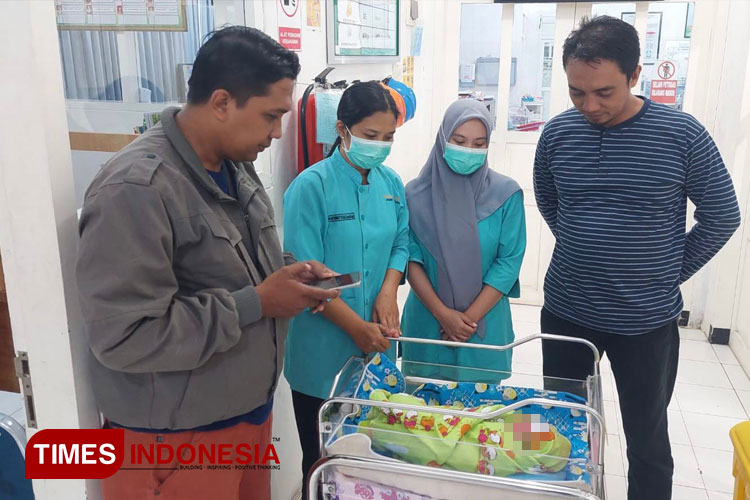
(467, 240)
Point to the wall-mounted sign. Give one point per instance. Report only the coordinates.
(290, 24)
(664, 83)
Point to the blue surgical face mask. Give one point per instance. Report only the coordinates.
(365, 153)
(464, 161)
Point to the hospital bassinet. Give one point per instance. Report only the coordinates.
(371, 462)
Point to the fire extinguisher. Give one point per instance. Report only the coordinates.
(309, 150)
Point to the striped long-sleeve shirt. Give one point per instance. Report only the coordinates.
(616, 201)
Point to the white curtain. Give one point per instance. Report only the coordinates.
(160, 52)
(91, 69)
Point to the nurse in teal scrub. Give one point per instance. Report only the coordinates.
(467, 240)
(349, 212)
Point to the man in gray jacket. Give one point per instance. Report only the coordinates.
(184, 288)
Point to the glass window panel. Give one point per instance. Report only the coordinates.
(531, 73)
(479, 53)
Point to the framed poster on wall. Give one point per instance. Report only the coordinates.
(121, 15)
(628, 17)
(362, 31)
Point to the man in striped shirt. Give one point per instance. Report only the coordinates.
(612, 178)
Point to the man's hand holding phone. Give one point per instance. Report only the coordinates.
(337, 282)
(284, 293)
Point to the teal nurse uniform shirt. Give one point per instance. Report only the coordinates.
(502, 238)
(329, 216)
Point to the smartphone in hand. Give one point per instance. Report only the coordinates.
(340, 282)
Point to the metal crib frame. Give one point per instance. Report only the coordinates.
(594, 393)
(541, 490)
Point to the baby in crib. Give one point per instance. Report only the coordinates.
(510, 444)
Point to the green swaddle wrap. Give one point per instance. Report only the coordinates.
(513, 443)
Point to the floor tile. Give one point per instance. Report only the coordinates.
(709, 401)
(685, 493)
(673, 404)
(692, 334)
(697, 351)
(529, 381)
(703, 373)
(525, 328)
(530, 353)
(738, 377)
(529, 314)
(709, 431)
(715, 495)
(744, 399)
(608, 391)
(610, 418)
(617, 487)
(716, 468)
(620, 429)
(613, 456)
(526, 368)
(678, 433)
(614, 419)
(725, 354)
(614, 388)
(686, 471)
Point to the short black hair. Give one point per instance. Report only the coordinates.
(604, 37)
(243, 61)
(363, 99)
